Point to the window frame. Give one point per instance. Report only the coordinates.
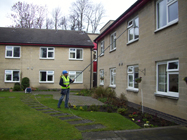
(176, 71)
(112, 40)
(131, 27)
(168, 23)
(11, 81)
(47, 57)
(12, 52)
(79, 82)
(75, 53)
(46, 76)
(101, 73)
(132, 73)
(102, 48)
(112, 85)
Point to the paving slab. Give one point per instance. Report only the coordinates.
(38, 107)
(12, 97)
(2, 97)
(61, 114)
(49, 112)
(68, 118)
(80, 122)
(43, 109)
(90, 127)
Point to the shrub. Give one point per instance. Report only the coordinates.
(17, 87)
(122, 111)
(25, 82)
(94, 108)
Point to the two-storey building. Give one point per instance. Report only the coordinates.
(148, 40)
(42, 55)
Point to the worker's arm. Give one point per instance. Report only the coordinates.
(62, 83)
(71, 81)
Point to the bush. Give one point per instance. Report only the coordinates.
(122, 111)
(25, 82)
(17, 87)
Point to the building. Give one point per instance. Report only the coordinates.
(42, 55)
(148, 40)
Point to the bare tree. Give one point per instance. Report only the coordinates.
(49, 23)
(63, 23)
(56, 16)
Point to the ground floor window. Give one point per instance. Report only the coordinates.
(47, 76)
(12, 76)
(101, 76)
(73, 74)
(168, 78)
(133, 73)
(113, 77)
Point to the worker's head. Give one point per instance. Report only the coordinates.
(65, 73)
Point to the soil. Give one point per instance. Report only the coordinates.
(135, 115)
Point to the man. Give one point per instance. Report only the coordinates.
(64, 82)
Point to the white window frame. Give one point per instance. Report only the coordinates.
(169, 72)
(11, 73)
(47, 73)
(114, 74)
(74, 73)
(113, 42)
(47, 57)
(131, 73)
(70, 51)
(12, 49)
(168, 3)
(101, 74)
(132, 27)
(102, 48)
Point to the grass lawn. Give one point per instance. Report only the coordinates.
(19, 121)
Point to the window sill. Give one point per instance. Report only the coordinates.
(135, 40)
(13, 57)
(47, 58)
(101, 55)
(162, 28)
(136, 90)
(112, 50)
(76, 59)
(77, 82)
(112, 86)
(101, 84)
(172, 96)
(46, 82)
(12, 81)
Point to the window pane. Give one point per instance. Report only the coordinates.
(43, 52)
(72, 55)
(15, 75)
(50, 48)
(114, 79)
(79, 54)
(136, 33)
(16, 51)
(79, 78)
(161, 13)
(112, 39)
(8, 77)
(50, 77)
(173, 65)
(173, 82)
(50, 54)
(42, 76)
(162, 78)
(130, 80)
(173, 11)
(136, 74)
(131, 34)
(72, 49)
(9, 53)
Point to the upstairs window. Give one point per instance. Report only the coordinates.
(46, 76)
(133, 74)
(101, 76)
(46, 53)
(12, 76)
(12, 52)
(167, 12)
(73, 74)
(102, 47)
(133, 30)
(75, 54)
(113, 42)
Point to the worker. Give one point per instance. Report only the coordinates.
(64, 82)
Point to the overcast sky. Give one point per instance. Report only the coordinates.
(113, 8)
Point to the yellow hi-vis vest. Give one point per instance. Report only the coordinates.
(66, 81)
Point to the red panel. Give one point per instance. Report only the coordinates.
(95, 66)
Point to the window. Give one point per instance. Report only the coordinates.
(102, 47)
(133, 73)
(73, 74)
(133, 30)
(12, 52)
(113, 77)
(95, 55)
(46, 76)
(101, 76)
(168, 78)
(46, 53)
(12, 76)
(167, 12)
(75, 54)
(113, 42)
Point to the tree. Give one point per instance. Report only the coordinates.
(49, 23)
(56, 16)
(63, 23)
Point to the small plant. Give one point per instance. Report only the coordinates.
(25, 82)
(94, 108)
(134, 114)
(138, 80)
(81, 108)
(17, 87)
(185, 79)
(85, 108)
(130, 116)
(74, 107)
(144, 119)
(109, 110)
(122, 111)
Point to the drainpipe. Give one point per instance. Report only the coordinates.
(91, 70)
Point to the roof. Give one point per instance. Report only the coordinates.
(136, 6)
(44, 37)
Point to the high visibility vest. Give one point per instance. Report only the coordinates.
(66, 81)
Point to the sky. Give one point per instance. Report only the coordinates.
(114, 8)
